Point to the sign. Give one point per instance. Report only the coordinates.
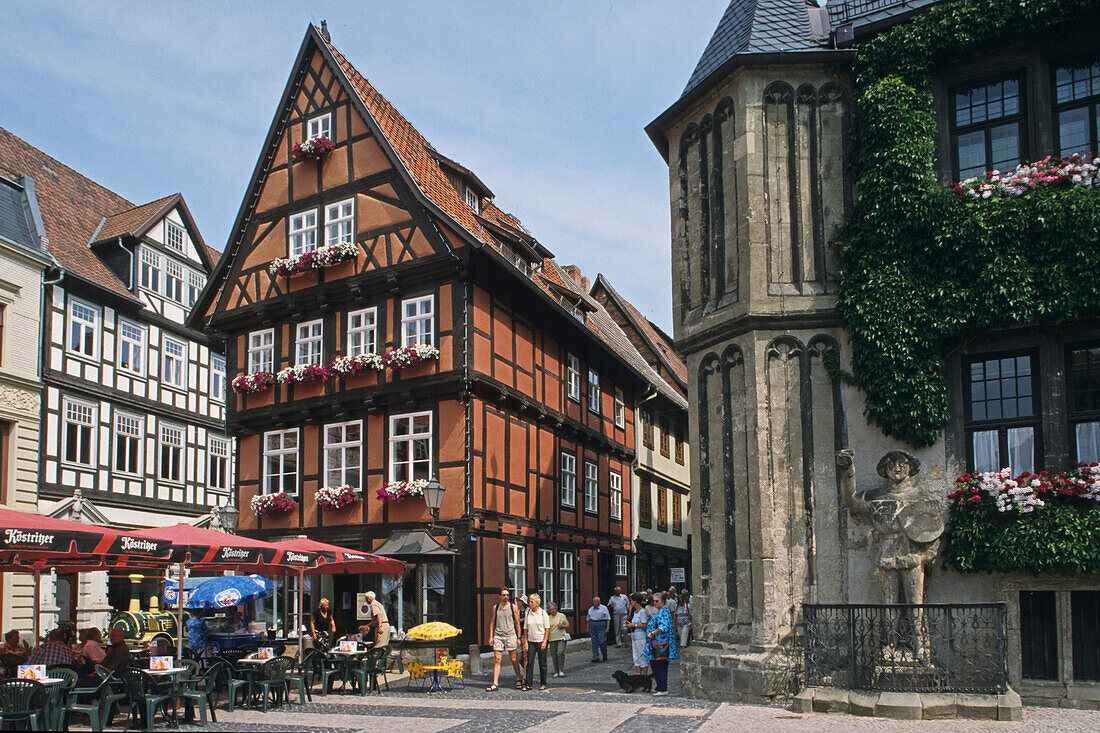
(362, 607)
(265, 652)
(676, 575)
(347, 646)
(159, 664)
(228, 597)
(32, 672)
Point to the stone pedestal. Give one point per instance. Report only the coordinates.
(737, 673)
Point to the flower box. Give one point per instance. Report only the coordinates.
(272, 504)
(337, 497)
(1028, 491)
(1074, 171)
(303, 374)
(353, 366)
(314, 149)
(255, 382)
(406, 356)
(316, 259)
(401, 490)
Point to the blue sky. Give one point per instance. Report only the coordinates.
(544, 101)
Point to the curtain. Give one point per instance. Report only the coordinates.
(1088, 442)
(986, 453)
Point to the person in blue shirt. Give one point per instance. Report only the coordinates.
(660, 631)
(196, 633)
(599, 618)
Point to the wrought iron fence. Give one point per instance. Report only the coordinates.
(849, 10)
(906, 648)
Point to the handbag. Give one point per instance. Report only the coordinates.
(567, 637)
(659, 650)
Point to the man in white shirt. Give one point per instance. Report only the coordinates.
(618, 604)
(598, 619)
(378, 621)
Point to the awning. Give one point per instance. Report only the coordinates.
(406, 542)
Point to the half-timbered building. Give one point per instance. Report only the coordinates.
(133, 410)
(417, 331)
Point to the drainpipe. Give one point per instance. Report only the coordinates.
(649, 394)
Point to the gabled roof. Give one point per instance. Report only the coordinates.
(136, 221)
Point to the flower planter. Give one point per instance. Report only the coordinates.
(398, 491)
(253, 383)
(1073, 171)
(303, 374)
(407, 356)
(338, 498)
(316, 259)
(314, 149)
(273, 505)
(355, 366)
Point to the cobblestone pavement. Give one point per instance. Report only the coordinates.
(587, 700)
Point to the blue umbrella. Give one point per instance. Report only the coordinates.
(227, 591)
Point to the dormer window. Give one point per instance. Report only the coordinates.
(319, 127)
(471, 200)
(173, 236)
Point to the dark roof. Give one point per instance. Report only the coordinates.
(408, 542)
(17, 223)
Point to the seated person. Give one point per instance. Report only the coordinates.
(53, 651)
(13, 646)
(90, 652)
(118, 654)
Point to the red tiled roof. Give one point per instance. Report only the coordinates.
(135, 221)
(657, 339)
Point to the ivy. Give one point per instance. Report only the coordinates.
(921, 269)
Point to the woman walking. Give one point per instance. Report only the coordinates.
(558, 624)
(636, 623)
(536, 633)
(660, 647)
(684, 619)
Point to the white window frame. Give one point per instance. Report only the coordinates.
(261, 351)
(593, 392)
(302, 235)
(472, 200)
(173, 236)
(218, 450)
(340, 222)
(568, 480)
(620, 566)
(168, 360)
(196, 281)
(410, 438)
(129, 428)
(546, 576)
(573, 377)
(615, 480)
(85, 415)
(319, 126)
(591, 487)
(286, 478)
(171, 470)
(217, 377)
(516, 556)
(619, 409)
(565, 580)
(362, 332)
(418, 327)
(340, 448)
(308, 342)
(173, 281)
(134, 344)
(84, 325)
(152, 265)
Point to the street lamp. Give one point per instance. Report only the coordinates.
(227, 517)
(433, 499)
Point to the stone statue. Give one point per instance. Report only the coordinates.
(906, 526)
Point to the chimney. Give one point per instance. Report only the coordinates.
(324, 31)
(575, 272)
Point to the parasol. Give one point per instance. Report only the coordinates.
(433, 631)
(227, 591)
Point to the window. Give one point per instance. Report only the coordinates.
(218, 476)
(1085, 618)
(261, 351)
(1077, 108)
(620, 409)
(565, 580)
(319, 127)
(173, 235)
(546, 577)
(339, 222)
(79, 432)
(620, 566)
(1038, 635)
(303, 232)
(343, 450)
(307, 345)
(217, 377)
(568, 480)
(647, 429)
(591, 487)
(1002, 417)
(411, 447)
(171, 453)
(663, 432)
(173, 281)
(433, 585)
(679, 433)
(677, 514)
(83, 329)
(987, 127)
(615, 480)
(195, 283)
(281, 461)
(150, 270)
(593, 391)
(662, 509)
(645, 506)
(127, 443)
(573, 377)
(175, 363)
(472, 202)
(362, 332)
(517, 570)
(1083, 377)
(417, 321)
(131, 348)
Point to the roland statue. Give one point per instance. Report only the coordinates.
(906, 525)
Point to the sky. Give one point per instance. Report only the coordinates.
(545, 102)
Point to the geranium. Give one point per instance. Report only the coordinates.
(315, 259)
(313, 149)
(350, 366)
(255, 382)
(303, 373)
(401, 490)
(281, 503)
(337, 497)
(406, 356)
(1074, 171)
(1028, 491)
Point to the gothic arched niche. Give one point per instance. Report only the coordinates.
(725, 257)
(708, 370)
(687, 139)
(734, 457)
(781, 185)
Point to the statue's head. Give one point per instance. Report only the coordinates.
(897, 466)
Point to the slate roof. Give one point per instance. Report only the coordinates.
(16, 220)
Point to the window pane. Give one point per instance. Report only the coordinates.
(971, 150)
(1005, 144)
(986, 451)
(1021, 449)
(1073, 131)
(1088, 442)
(1085, 612)
(1038, 635)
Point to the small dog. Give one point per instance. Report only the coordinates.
(632, 682)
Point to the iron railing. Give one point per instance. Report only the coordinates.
(906, 648)
(849, 10)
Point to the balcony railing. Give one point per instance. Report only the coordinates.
(907, 648)
(849, 10)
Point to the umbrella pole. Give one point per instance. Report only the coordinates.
(179, 617)
(36, 609)
(298, 614)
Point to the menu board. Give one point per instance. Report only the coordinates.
(348, 646)
(265, 652)
(159, 664)
(32, 672)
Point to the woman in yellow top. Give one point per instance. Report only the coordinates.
(558, 624)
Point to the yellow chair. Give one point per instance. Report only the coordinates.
(454, 671)
(416, 672)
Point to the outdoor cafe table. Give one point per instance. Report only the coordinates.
(435, 669)
(173, 675)
(346, 659)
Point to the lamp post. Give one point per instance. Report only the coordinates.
(227, 517)
(433, 498)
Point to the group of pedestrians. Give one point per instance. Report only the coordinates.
(528, 633)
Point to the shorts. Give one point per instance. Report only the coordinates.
(505, 643)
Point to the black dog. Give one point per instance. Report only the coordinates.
(632, 682)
